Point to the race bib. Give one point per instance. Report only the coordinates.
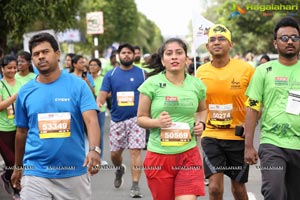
(177, 135)
(293, 104)
(54, 125)
(10, 112)
(125, 98)
(220, 115)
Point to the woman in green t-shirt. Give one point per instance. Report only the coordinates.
(9, 87)
(172, 105)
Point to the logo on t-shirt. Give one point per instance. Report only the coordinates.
(169, 100)
(235, 84)
(280, 81)
(162, 85)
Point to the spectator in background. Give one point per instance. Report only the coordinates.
(206, 59)
(263, 59)
(25, 69)
(250, 59)
(113, 62)
(95, 67)
(68, 62)
(191, 69)
(9, 88)
(137, 57)
(79, 69)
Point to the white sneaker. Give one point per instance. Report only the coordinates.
(104, 162)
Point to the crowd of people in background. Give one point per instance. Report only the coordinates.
(164, 102)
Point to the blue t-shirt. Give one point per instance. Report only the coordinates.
(60, 155)
(123, 85)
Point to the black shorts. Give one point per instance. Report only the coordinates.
(225, 156)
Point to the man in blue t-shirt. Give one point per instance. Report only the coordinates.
(122, 82)
(51, 112)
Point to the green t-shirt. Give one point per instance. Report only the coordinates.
(25, 79)
(271, 84)
(7, 123)
(98, 82)
(107, 66)
(142, 65)
(181, 102)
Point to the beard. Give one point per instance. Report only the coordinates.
(126, 63)
(290, 54)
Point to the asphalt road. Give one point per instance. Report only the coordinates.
(103, 188)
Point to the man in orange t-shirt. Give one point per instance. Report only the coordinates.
(226, 80)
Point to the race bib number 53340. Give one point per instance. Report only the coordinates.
(54, 125)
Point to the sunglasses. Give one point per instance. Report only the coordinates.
(221, 39)
(285, 38)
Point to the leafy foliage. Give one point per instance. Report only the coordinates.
(17, 17)
(122, 23)
(253, 30)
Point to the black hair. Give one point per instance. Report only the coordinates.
(137, 47)
(71, 55)
(27, 56)
(74, 61)
(265, 56)
(7, 59)
(125, 45)
(43, 37)
(284, 22)
(97, 61)
(155, 63)
(112, 56)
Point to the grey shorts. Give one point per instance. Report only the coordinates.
(126, 135)
(280, 170)
(75, 188)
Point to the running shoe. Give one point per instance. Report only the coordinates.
(119, 176)
(206, 182)
(104, 163)
(6, 184)
(135, 192)
(16, 196)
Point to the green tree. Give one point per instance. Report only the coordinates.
(122, 23)
(18, 17)
(149, 36)
(252, 31)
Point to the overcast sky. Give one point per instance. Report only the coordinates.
(171, 16)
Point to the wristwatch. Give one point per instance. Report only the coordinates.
(95, 148)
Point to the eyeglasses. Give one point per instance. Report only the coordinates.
(285, 38)
(221, 39)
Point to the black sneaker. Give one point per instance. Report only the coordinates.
(16, 196)
(119, 176)
(6, 184)
(135, 192)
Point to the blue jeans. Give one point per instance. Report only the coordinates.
(101, 120)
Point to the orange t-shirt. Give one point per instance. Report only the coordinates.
(225, 97)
